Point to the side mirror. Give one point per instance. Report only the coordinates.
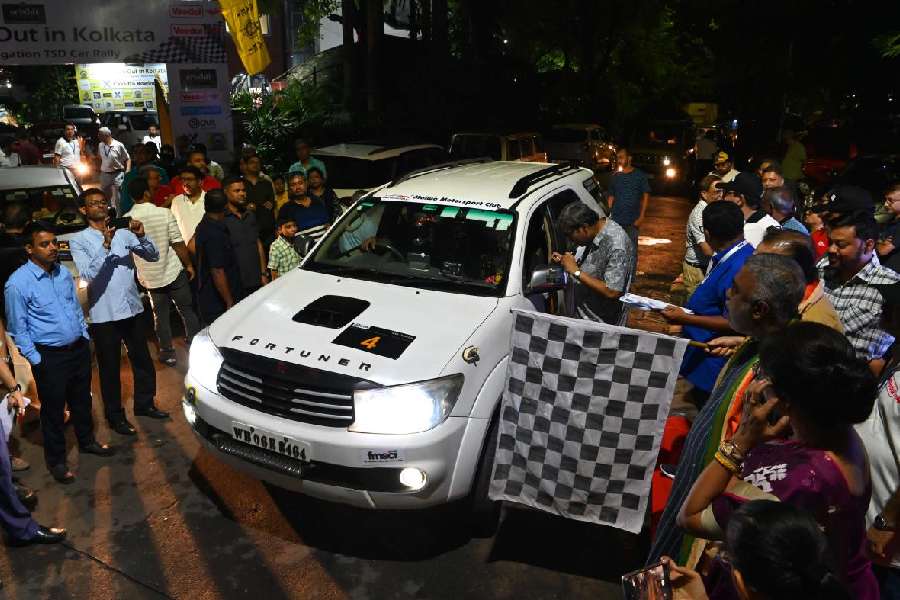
(549, 278)
(303, 244)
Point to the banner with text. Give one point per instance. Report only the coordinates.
(117, 86)
(149, 31)
(200, 112)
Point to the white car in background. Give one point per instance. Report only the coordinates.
(362, 166)
(373, 377)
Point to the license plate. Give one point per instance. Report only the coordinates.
(273, 442)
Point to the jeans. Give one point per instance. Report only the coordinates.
(64, 377)
(108, 338)
(889, 581)
(179, 292)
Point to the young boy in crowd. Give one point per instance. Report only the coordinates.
(282, 255)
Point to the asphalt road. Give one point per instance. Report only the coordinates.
(164, 519)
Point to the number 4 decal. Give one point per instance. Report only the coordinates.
(370, 343)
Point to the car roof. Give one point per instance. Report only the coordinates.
(32, 176)
(370, 150)
(480, 182)
(510, 135)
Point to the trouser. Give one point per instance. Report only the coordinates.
(110, 184)
(888, 581)
(161, 299)
(64, 377)
(14, 517)
(108, 338)
(693, 277)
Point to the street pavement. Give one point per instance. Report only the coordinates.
(164, 519)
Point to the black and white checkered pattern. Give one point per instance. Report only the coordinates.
(201, 49)
(582, 417)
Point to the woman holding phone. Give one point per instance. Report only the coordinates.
(796, 444)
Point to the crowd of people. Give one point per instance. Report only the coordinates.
(790, 467)
(177, 227)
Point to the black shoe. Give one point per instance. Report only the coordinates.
(26, 496)
(123, 427)
(98, 449)
(62, 474)
(43, 535)
(152, 412)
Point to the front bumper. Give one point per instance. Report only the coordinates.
(337, 468)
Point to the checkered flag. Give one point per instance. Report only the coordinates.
(209, 48)
(582, 417)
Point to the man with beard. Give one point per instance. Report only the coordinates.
(244, 233)
(851, 273)
(311, 217)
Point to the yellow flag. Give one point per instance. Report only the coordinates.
(242, 17)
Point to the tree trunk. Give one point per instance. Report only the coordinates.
(374, 33)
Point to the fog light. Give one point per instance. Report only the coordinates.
(413, 478)
(190, 415)
(671, 173)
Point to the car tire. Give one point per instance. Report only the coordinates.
(484, 514)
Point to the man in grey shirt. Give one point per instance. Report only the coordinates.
(603, 266)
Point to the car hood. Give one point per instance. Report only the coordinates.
(439, 323)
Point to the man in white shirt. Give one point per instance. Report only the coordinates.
(188, 207)
(67, 152)
(724, 167)
(114, 162)
(746, 191)
(153, 136)
(167, 279)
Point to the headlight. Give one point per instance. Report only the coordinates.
(667, 161)
(204, 360)
(409, 408)
(671, 173)
(82, 169)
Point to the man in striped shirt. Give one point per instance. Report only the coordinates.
(166, 279)
(312, 218)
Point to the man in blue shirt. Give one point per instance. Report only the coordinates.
(103, 256)
(629, 192)
(45, 320)
(304, 160)
(723, 226)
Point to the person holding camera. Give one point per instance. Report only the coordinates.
(103, 254)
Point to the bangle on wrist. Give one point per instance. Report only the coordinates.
(728, 464)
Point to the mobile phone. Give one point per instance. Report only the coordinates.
(119, 223)
(651, 583)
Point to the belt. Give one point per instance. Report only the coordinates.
(73, 346)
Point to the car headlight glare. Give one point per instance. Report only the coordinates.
(671, 173)
(204, 360)
(667, 161)
(408, 408)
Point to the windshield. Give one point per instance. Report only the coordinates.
(661, 134)
(142, 121)
(567, 135)
(475, 146)
(457, 249)
(345, 173)
(78, 113)
(56, 204)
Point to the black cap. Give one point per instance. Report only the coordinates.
(843, 199)
(746, 184)
(890, 292)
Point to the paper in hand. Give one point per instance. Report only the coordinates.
(645, 303)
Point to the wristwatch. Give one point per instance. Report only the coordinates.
(17, 388)
(577, 274)
(882, 524)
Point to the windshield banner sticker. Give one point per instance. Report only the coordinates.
(436, 200)
(383, 342)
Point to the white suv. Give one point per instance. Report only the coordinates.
(373, 377)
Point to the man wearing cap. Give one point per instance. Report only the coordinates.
(881, 435)
(724, 167)
(745, 190)
(850, 272)
(114, 162)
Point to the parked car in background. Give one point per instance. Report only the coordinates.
(365, 165)
(523, 146)
(81, 114)
(52, 194)
(584, 144)
(129, 126)
(828, 149)
(662, 149)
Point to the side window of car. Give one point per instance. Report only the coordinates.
(556, 204)
(513, 152)
(538, 244)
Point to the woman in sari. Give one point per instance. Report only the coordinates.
(796, 444)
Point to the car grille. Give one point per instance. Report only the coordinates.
(287, 390)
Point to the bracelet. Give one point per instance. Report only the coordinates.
(731, 450)
(728, 464)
